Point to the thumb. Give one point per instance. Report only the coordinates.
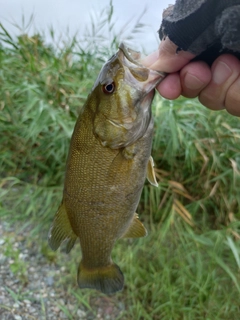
(167, 58)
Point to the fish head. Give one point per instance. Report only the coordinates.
(122, 96)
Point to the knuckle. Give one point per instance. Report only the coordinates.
(190, 94)
(211, 101)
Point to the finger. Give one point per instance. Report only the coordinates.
(225, 71)
(232, 102)
(194, 77)
(167, 58)
(170, 88)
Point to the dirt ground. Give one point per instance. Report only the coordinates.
(30, 289)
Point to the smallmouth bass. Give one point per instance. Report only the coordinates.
(108, 162)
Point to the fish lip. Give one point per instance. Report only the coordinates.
(132, 55)
(130, 59)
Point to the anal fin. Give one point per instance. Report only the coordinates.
(136, 229)
(61, 230)
(150, 172)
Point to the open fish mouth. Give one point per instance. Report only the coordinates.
(146, 79)
(130, 54)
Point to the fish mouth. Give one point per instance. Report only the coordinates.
(136, 74)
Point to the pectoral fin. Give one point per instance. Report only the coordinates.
(150, 173)
(136, 229)
(61, 230)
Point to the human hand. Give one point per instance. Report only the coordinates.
(217, 87)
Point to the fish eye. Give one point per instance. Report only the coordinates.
(108, 88)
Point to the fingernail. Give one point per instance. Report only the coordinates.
(192, 82)
(221, 72)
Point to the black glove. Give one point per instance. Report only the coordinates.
(206, 28)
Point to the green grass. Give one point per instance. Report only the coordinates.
(188, 266)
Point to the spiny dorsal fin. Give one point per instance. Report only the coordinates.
(61, 230)
(150, 172)
(136, 229)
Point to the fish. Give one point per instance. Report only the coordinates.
(108, 162)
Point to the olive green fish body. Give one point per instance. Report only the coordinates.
(106, 192)
(108, 161)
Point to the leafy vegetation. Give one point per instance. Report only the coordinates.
(188, 266)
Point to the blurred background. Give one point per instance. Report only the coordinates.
(73, 16)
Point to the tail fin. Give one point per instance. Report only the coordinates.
(107, 279)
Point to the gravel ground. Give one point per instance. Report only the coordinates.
(29, 288)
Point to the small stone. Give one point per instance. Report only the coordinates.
(16, 305)
(71, 307)
(49, 281)
(17, 317)
(81, 313)
(27, 301)
(62, 315)
(22, 256)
